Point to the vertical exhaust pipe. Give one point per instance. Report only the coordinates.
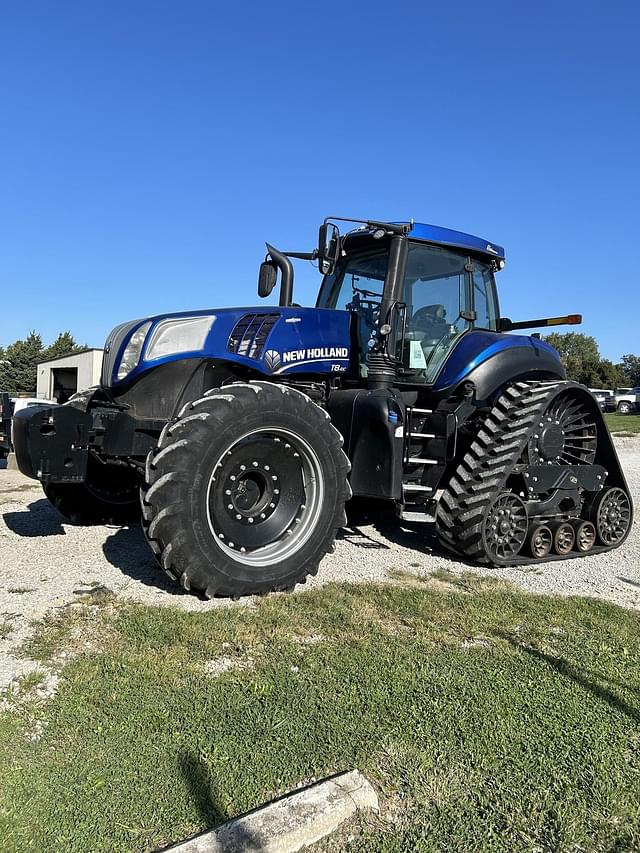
(286, 274)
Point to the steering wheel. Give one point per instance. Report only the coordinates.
(427, 317)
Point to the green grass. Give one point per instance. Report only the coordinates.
(488, 719)
(626, 424)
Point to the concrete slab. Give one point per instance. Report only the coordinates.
(290, 823)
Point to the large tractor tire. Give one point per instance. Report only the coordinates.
(245, 490)
(110, 495)
(485, 513)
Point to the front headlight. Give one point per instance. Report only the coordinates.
(182, 334)
(131, 354)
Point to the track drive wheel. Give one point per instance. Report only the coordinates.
(246, 490)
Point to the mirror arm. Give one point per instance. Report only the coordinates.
(303, 256)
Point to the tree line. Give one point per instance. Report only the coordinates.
(19, 360)
(582, 361)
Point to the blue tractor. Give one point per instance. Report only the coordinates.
(238, 435)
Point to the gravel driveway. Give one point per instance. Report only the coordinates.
(46, 564)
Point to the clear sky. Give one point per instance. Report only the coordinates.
(148, 149)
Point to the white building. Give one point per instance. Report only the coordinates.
(61, 377)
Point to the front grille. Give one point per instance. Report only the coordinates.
(250, 334)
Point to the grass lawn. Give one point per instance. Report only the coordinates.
(487, 718)
(629, 424)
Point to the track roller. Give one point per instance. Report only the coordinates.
(564, 538)
(585, 535)
(540, 541)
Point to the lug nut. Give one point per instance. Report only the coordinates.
(229, 506)
(250, 520)
(243, 467)
(238, 516)
(255, 464)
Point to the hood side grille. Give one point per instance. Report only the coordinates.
(250, 334)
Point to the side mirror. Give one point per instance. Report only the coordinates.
(266, 278)
(328, 247)
(505, 324)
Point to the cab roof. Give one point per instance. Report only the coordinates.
(448, 237)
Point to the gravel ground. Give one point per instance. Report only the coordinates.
(46, 564)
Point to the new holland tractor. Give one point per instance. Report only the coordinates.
(238, 435)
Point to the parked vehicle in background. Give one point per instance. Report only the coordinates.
(624, 401)
(601, 395)
(5, 425)
(9, 406)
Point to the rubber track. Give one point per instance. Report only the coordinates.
(164, 464)
(483, 472)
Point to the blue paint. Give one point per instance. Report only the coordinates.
(457, 239)
(303, 340)
(475, 347)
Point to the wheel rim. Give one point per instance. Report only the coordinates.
(541, 541)
(564, 539)
(264, 496)
(613, 516)
(585, 536)
(505, 528)
(564, 435)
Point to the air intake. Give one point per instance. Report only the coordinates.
(250, 334)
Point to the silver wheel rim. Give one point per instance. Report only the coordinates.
(294, 538)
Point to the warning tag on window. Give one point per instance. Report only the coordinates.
(416, 355)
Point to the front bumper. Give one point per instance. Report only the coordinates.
(51, 443)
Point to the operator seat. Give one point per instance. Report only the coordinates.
(431, 322)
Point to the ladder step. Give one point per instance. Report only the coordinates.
(425, 517)
(416, 487)
(416, 460)
(421, 435)
(422, 411)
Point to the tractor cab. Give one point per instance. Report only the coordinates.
(440, 286)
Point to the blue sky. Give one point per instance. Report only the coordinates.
(148, 149)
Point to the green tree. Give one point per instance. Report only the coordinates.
(64, 344)
(18, 361)
(18, 367)
(609, 375)
(579, 354)
(631, 368)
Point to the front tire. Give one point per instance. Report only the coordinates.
(624, 408)
(245, 491)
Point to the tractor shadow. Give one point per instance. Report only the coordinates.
(587, 681)
(39, 519)
(413, 535)
(127, 550)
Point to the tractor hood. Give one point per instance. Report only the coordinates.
(269, 340)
